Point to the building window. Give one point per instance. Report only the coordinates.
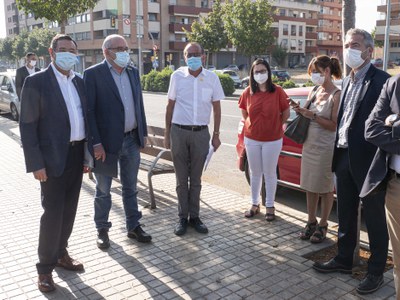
(293, 44)
(300, 30)
(293, 30)
(284, 43)
(9, 20)
(10, 31)
(204, 3)
(152, 17)
(185, 21)
(154, 35)
(8, 7)
(282, 12)
(285, 29)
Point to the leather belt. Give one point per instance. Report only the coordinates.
(130, 133)
(76, 143)
(192, 127)
(394, 174)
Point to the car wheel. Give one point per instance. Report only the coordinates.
(14, 112)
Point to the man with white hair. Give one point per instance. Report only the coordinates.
(118, 129)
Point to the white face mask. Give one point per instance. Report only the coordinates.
(32, 63)
(261, 78)
(352, 57)
(317, 78)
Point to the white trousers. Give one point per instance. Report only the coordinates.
(263, 159)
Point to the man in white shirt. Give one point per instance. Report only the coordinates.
(193, 93)
(25, 71)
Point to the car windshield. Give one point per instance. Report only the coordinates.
(230, 73)
(281, 73)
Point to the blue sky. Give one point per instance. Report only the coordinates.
(365, 13)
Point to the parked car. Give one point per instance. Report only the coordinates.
(282, 75)
(9, 102)
(232, 74)
(378, 62)
(289, 162)
(232, 67)
(211, 68)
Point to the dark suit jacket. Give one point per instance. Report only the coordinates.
(44, 122)
(385, 137)
(361, 152)
(105, 108)
(20, 76)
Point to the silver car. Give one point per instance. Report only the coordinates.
(232, 74)
(9, 102)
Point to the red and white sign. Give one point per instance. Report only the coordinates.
(155, 47)
(127, 21)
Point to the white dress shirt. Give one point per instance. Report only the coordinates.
(73, 103)
(194, 96)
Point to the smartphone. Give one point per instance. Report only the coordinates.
(292, 102)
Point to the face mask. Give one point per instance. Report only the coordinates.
(66, 60)
(317, 78)
(122, 59)
(32, 63)
(194, 63)
(261, 78)
(352, 58)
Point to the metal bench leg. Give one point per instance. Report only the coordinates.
(151, 192)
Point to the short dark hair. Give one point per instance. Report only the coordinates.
(253, 84)
(30, 54)
(61, 37)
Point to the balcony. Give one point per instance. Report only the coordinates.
(394, 7)
(330, 43)
(393, 22)
(329, 29)
(178, 27)
(311, 22)
(331, 4)
(177, 45)
(330, 17)
(311, 49)
(295, 5)
(179, 10)
(311, 35)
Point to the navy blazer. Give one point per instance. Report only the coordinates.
(385, 137)
(20, 76)
(106, 113)
(44, 122)
(361, 152)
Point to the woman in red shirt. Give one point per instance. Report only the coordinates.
(264, 108)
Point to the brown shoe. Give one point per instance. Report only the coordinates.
(46, 283)
(68, 263)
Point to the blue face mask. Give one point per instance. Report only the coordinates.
(122, 59)
(66, 60)
(194, 63)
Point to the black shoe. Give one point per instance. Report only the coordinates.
(181, 226)
(139, 234)
(331, 266)
(198, 225)
(103, 242)
(370, 284)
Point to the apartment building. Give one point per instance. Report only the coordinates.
(394, 32)
(305, 28)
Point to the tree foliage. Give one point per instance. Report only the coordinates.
(210, 31)
(248, 25)
(377, 43)
(55, 10)
(279, 54)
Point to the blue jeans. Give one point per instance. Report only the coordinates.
(129, 160)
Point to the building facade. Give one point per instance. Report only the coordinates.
(394, 32)
(154, 29)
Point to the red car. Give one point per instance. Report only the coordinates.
(289, 162)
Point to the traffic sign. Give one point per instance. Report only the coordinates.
(127, 21)
(155, 47)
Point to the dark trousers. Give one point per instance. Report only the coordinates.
(348, 191)
(59, 200)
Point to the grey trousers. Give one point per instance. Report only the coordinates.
(189, 150)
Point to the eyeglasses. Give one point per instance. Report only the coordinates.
(119, 49)
(260, 72)
(189, 55)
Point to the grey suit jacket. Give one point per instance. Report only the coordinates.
(44, 122)
(386, 138)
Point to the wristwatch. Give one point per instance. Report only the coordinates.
(392, 119)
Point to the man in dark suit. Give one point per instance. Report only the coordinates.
(118, 129)
(383, 130)
(53, 131)
(351, 160)
(25, 71)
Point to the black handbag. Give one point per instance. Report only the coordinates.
(297, 129)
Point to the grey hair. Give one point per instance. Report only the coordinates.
(107, 43)
(193, 44)
(368, 40)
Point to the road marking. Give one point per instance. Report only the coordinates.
(228, 145)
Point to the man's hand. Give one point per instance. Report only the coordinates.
(215, 142)
(167, 142)
(40, 175)
(391, 119)
(86, 169)
(99, 152)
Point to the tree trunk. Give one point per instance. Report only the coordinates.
(348, 22)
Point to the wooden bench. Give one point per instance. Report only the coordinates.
(157, 159)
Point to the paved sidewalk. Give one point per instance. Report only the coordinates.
(237, 259)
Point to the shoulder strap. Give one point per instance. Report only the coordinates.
(312, 99)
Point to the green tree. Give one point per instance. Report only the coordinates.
(19, 45)
(377, 43)
(248, 26)
(56, 10)
(39, 40)
(6, 48)
(279, 54)
(210, 31)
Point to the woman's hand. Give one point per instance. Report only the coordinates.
(304, 112)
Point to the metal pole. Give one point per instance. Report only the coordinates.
(387, 37)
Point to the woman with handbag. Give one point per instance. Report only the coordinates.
(264, 108)
(316, 172)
